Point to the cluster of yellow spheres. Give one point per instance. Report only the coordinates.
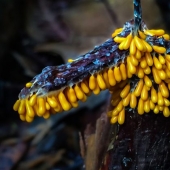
(149, 63)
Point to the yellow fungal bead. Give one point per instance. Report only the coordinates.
(166, 102)
(161, 108)
(166, 112)
(141, 107)
(92, 82)
(165, 36)
(158, 32)
(41, 106)
(33, 100)
(160, 99)
(121, 117)
(84, 87)
(144, 93)
(147, 80)
(147, 70)
(47, 106)
(167, 64)
(121, 45)
(46, 115)
(127, 42)
(152, 105)
(129, 74)
(71, 95)
(139, 88)
(143, 62)
(125, 91)
(148, 46)
(115, 101)
(138, 54)
(149, 59)
(120, 106)
(114, 119)
(52, 102)
(164, 90)
(161, 59)
(28, 85)
(162, 74)
(138, 43)
(75, 104)
(111, 77)
(117, 31)
(156, 109)
(117, 74)
(154, 96)
(140, 72)
(148, 32)
(167, 57)
(167, 71)
(70, 60)
(101, 82)
(96, 90)
(84, 98)
(79, 92)
(132, 47)
(133, 101)
(29, 119)
(22, 117)
(147, 106)
(63, 101)
(21, 109)
(131, 67)
(114, 112)
(159, 49)
(156, 77)
(123, 71)
(16, 105)
(126, 100)
(142, 35)
(119, 39)
(133, 60)
(29, 110)
(157, 64)
(106, 79)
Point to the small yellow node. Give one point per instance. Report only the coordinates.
(138, 43)
(47, 106)
(75, 104)
(142, 35)
(120, 106)
(156, 109)
(114, 119)
(166, 102)
(134, 60)
(126, 100)
(147, 106)
(119, 39)
(133, 101)
(117, 74)
(117, 31)
(96, 90)
(139, 88)
(154, 96)
(159, 32)
(71, 95)
(156, 77)
(29, 110)
(63, 101)
(166, 112)
(70, 60)
(22, 117)
(147, 80)
(162, 74)
(16, 105)
(149, 59)
(148, 46)
(157, 64)
(164, 90)
(84, 87)
(138, 54)
(131, 67)
(121, 117)
(159, 49)
(114, 112)
(46, 115)
(167, 64)
(132, 47)
(160, 99)
(125, 91)
(92, 82)
(106, 79)
(52, 102)
(143, 62)
(111, 77)
(79, 93)
(140, 72)
(121, 45)
(144, 93)
(167, 57)
(33, 100)
(21, 109)
(141, 107)
(152, 105)
(148, 32)
(123, 71)
(29, 119)
(161, 59)
(101, 82)
(41, 106)
(147, 70)
(28, 85)
(127, 42)
(166, 36)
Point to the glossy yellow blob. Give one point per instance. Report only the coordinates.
(41, 106)
(92, 82)
(159, 49)
(119, 39)
(121, 117)
(159, 32)
(79, 93)
(156, 77)
(161, 108)
(84, 98)
(143, 62)
(84, 87)
(117, 74)
(147, 106)
(140, 72)
(133, 101)
(71, 95)
(96, 90)
(167, 71)
(132, 47)
(29, 110)
(129, 74)
(125, 91)
(63, 101)
(114, 112)
(126, 100)
(33, 100)
(167, 57)
(133, 60)
(164, 90)
(162, 74)
(149, 59)
(131, 67)
(52, 102)
(148, 32)
(147, 70)
(139, 88)
(138, 54)
(123, 71)
(167, 63)
(144, 93)
(156, 109)
(117, 31)
(152, 105)
(47, 106)
(121, 45)
(166, 102)
(46, 115)
(28, 118)
(161, 59)
(111, 77)
(142, 35)
(70, 60)
(147, 81)
(157, 64)
(114, 119)
(138, 43)
(21, 109)
(22, 117)
(166, 36)
(28, 85)
(154, 96)
(16, 105)
(141, 107)
(106, 79)
(166, 112)
(127, 42)
(148, 46)
(101, 82)
(75, 104)
(120, 106)
(160, 99)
